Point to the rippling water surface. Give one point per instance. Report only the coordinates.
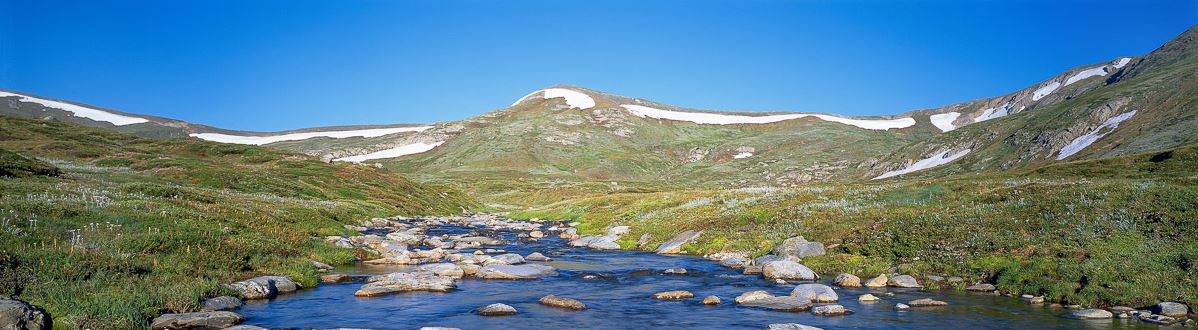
(617, 297)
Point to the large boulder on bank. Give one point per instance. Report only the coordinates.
(19, 315)
(903, 281)
(846, 280)
(562, 302)
(799, 247)
(515, 272)
(405, 281)
(674, 245)
(815, 292)
(877, 282)
(1171, 309)
(787, 270)
(220, 304)
(197, 320)
(496, 310)
(264, 287)
(981, 287)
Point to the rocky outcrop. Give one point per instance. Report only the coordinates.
(799, 247)
(264, 287)
(197, 320)
(19, 315)
(405, 281)
(674, 245)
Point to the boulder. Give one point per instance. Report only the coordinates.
(515, 272)
(790, 326)
(197, 320)
(734, 263)
(781, 303)
(405, 281)
(926, 302)
(320, 266)
(536, 256)
(712, 300)
(1171, 309)
(19, 315)
(1092, 313)
(901, 306)
(877, 282)
(751, 296)
(496, 310)
(787, 270)
(799, 247)
(981, 287)
(846, 280)
(1157, 319)
(443, 269)
(336, 278)
(264, 287)
(618, 231)
(829, 310)
(562, 302)
(536, 234)
(674, 245)
(903, 281)
(674, 271)
(505, 259)
(220, 303)
(752, 270)
(815, 293)
(868, 298)
(679, 294)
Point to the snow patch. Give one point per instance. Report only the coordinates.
(574, 99)
(992, 113)
(260, 140)
(1121, 62)
(1044, 91)
(79, 111)
(1084, 141)
(742, 155)
(930, 162)
(725, 119)
(524, 98)
(410, 149)
(1098, 71)
(944, 121)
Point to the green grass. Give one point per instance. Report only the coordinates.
(131, 228)
(1112, 231)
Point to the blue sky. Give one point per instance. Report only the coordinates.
(282, 64)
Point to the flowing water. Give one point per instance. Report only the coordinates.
(616, 285)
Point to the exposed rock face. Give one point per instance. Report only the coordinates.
(198, 320)
(799, 247)
(562, 302)
(405, 281)
(1171, 309)
(220, 304)
(787, 270)
(846, 280)
(926, 302)
(829, 310)
(673, 295)
(981, 287)
(264, 287)
(815, 292)
(515, 272)
(496, 310)
(674, 245)
(19, 315)
(877, 282)
(903, 281)
(1093, 313)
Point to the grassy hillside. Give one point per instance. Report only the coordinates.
(107, 230)
(1113, 231)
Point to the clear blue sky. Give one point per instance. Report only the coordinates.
(273, 65)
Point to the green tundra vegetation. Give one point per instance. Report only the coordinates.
(108, 230)
(1099, 232)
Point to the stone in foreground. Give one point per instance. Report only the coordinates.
(405, 281)
(496, 310)
(1093, 313)
(197, 320)
(16, 314)
(678, 294)
(562, 302)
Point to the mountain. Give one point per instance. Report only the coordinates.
(569, 135)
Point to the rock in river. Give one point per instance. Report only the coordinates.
(1171, 309)
(829, 310)
(903, 281)
(981, 287)
(197, 320)
(764, 299)
(264, 287)
(16, 314)
(1093, 313)
(815, 292)
(220, 304)
(496, 310)
(846, 280)
(790, 326)
(515, 272)
(877, 282)
(405, 281)
(712, 300)
(680, 294)
(787, 270)
(536, 256)
(926, 302)
(674, 246)
(867, 298)
(562, 302)
(799, 247)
